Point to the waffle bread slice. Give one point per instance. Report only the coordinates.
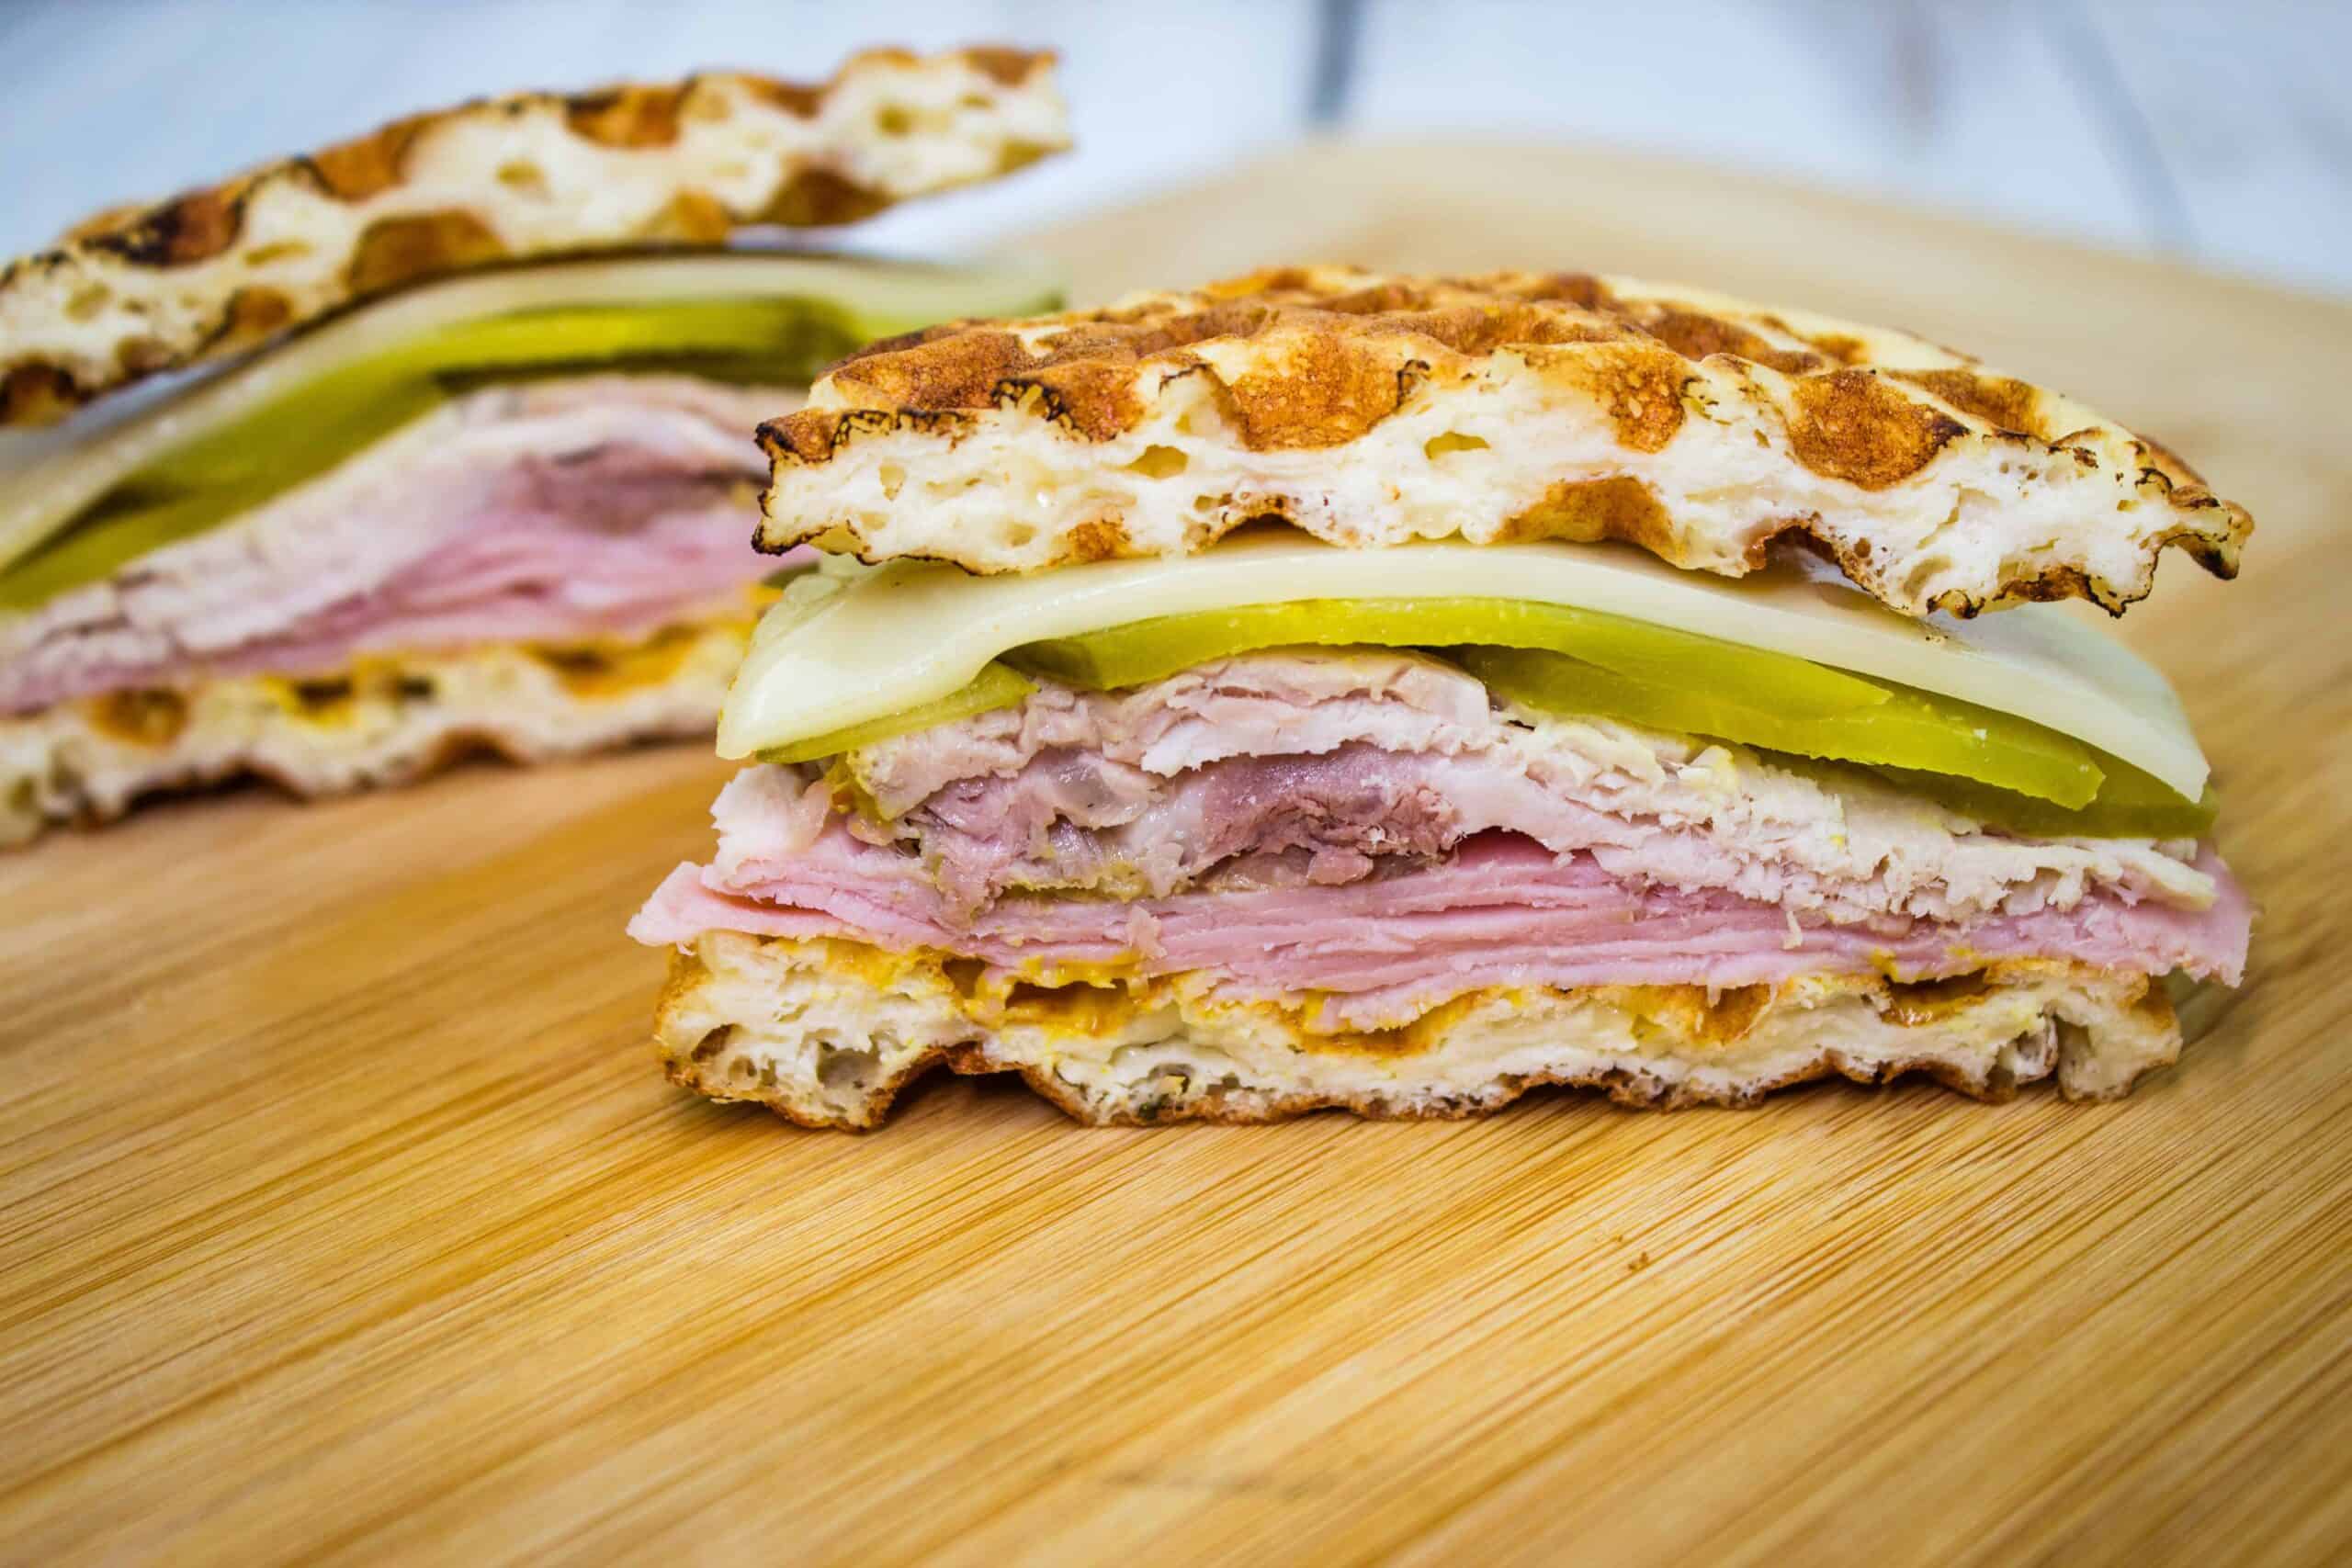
(210, 272)
(827, 1034)
(1372, 409)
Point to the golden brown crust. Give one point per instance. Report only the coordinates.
(1635, 1092)
(1306, 360)
(137, 289)
(828, 1033)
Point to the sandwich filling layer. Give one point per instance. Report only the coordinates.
(592, 507)
(528, 480)
(536, 569)
(1360, 839)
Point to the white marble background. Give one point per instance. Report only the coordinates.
(2217, 132)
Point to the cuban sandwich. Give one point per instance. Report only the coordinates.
(1333, 690)
(440, 440)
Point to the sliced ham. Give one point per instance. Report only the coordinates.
(594, 507)
(1500, 911)
(1320, 765)
(1363, 831)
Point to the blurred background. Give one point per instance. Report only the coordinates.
(2217, 133)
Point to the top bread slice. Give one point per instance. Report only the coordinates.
(1373, 409)
(209, 273)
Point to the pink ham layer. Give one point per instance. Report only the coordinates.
(515, 577)
(1500, 911)
(585, 508)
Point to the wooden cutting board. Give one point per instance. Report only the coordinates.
(342, 1213)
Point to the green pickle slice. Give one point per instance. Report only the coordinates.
(1150, 650)
(2005, 770)
(313, 427)
(996, 686)
(1910, 729)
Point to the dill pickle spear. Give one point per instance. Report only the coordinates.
(1143, 652)
(1909, 729)
(996, 686)
(313, 427)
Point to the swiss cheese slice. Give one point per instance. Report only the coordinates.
(848, 646)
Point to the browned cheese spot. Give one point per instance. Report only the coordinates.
(1096, 400)
(357, 169)
(793, 97)
(1413, 1039)
(842, 376)
(1732, 1013)
(2153, 1005)
(1839, 347)
(692, 218)
(1578, 289)
(610, 669)
(1689, 1014)
(1697, 336)
(327, 699)
(1086, 1009)
(1919, 1002)
(818, 198)
(103, 222)
(2053, 583)
(1639, 385)
(1250, 286)
(36, 393)
(964, 975)
(626, 117)
(1019, 155)
(1851, 425)
(186, 229)
(1311, 390)
(1476, 330)
(806, 436)
(1098, 538)
(142, 355)
(1005, 67)
(253, 314)
(394, 250)
(2000, 400)
(1587, 511)
(141, 718)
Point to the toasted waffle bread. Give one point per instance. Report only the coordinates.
(140, 289)
(827, 1032)
(387, 721)
(1371, 411)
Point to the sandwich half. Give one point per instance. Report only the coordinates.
(1334, 689)
(440, 440)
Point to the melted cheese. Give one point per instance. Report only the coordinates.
(855, 645)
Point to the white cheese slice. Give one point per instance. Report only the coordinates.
(47, 476)
(861, 644)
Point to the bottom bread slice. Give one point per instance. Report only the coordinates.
(827, 1031)
(388, 720)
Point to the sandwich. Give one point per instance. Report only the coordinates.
(1333, 690)
(440, 440)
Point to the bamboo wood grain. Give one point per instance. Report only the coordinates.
(343, 1216)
